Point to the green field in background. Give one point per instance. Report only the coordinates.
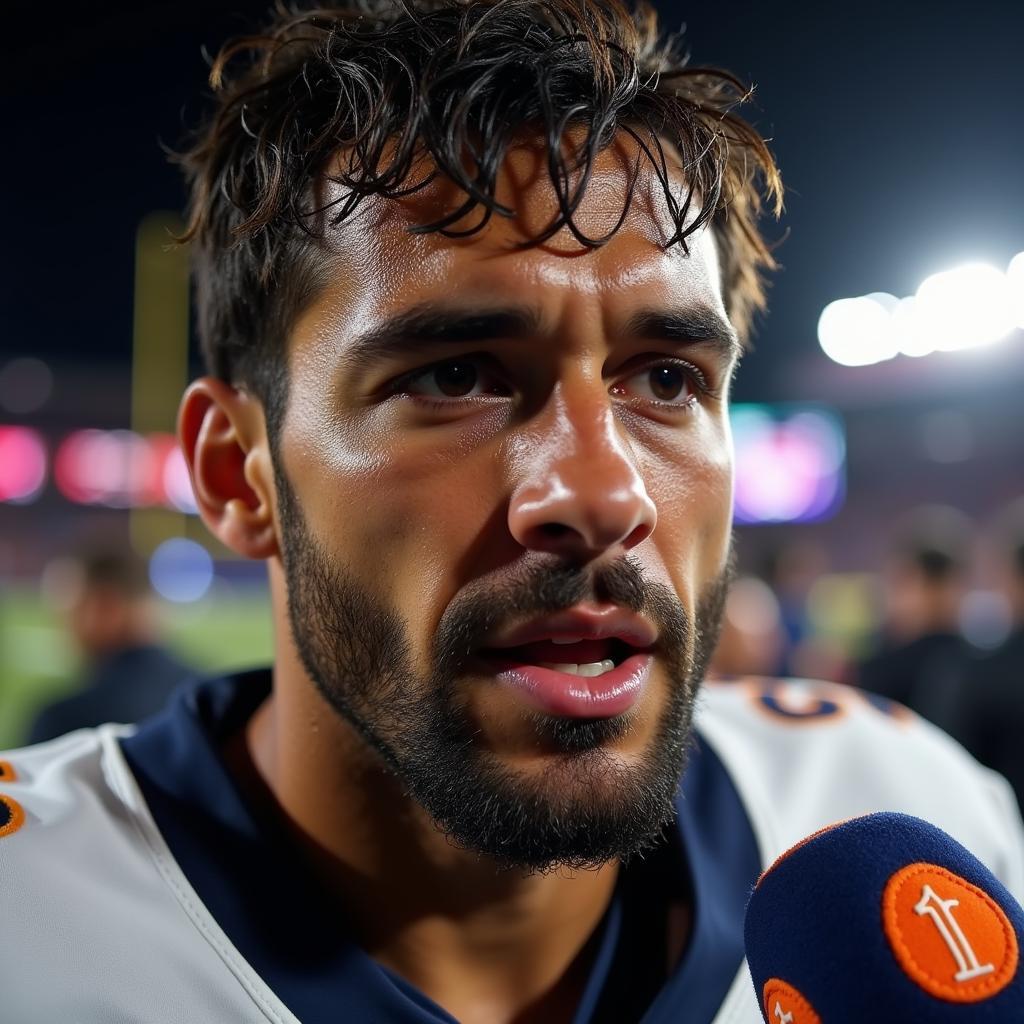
(228, 629)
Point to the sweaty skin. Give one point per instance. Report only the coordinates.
(562, 452)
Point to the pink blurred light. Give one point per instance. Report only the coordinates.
(117, 468)
(177, 482)
(22, 464)
(787, 470)
(161, 449)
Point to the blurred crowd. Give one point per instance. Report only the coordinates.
(919, 630)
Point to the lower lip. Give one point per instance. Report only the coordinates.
(564, 695)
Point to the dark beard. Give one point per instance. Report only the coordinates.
(586, 807)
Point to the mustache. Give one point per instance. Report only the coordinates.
(546, 589)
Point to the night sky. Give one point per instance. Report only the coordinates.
(899, 129)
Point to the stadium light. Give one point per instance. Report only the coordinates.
(966, 307)
(856, 332)
(908, 330)
(1015, 279)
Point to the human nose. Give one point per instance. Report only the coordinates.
(581, 493)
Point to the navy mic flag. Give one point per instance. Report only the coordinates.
(884, 918)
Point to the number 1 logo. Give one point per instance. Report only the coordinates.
(941, 912)
(950, 937)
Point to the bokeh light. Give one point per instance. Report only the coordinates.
(22, 464)
(964, 307)
(177, 483)
(856, 332)
(25, 385)
(1015, 279)
(181, 570)
(968, 307)
(947, 436)
(122, 469)
(986, 618)
(790, 463)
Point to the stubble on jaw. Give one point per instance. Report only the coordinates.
(586, 807)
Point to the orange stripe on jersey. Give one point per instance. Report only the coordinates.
(12, 816)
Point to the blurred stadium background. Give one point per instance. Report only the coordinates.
(875, 386)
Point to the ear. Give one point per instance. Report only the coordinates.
(223, 435)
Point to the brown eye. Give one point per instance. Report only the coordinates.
(468, 377)
(667, 383)
(455, 379)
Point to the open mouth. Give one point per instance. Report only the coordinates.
(570, 655)
(573, 677)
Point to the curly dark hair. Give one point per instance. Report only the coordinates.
(384, 83)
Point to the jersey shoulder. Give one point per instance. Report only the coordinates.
(804, 754)
(42, 787)
(87, 882)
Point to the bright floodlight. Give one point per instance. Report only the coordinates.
(910, 331)
(965, 307)
(1015, 280)
(857, 332)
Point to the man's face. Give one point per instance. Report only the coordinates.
(505, 488)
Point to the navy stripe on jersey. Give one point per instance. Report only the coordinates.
(257, 889)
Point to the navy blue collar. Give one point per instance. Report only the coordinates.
(258, 890)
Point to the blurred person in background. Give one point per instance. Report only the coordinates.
(791, 572)
(923, 660)
(992, 714)
(109, 612)
(752, 638)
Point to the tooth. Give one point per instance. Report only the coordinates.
(566, 640)
(587, 669)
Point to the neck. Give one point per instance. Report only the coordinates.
(485, 942)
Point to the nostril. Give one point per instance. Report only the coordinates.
(638, 535)
(555, 531)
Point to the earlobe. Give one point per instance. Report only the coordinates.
(224, 439)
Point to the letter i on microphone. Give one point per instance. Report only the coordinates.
(884, 919)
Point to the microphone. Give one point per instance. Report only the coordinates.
(884, 918)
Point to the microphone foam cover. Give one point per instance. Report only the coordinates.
(884, 918)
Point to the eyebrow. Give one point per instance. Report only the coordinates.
(432, 323)
(687, 326)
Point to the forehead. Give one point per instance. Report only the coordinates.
(378, 265)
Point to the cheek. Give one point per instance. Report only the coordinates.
(690, 483)
(399, 512)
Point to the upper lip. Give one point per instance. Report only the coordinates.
(604, 623)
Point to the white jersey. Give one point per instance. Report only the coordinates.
(101, 924)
